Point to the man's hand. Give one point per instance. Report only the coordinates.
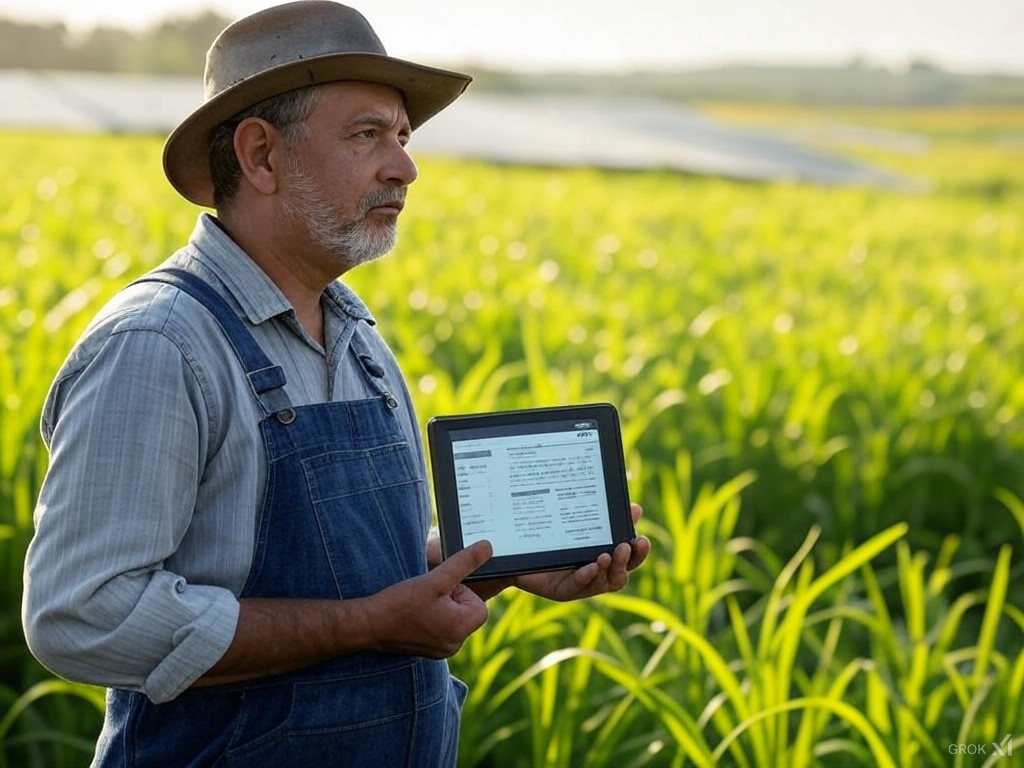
(609, 573)
(486, 588)
(432, 615)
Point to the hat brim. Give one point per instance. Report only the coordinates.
(186, 152)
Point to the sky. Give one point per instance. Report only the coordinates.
(961, 35)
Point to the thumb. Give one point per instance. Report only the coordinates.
(462, 563)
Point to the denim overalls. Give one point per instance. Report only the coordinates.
(342, 518)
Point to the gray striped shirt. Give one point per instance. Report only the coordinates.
(146, 519)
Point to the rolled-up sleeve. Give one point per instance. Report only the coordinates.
(128, 428)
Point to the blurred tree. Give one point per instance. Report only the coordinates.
(102, 50)
(34, 46)
(175, 46)
(178, 45)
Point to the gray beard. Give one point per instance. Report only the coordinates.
(350, 242)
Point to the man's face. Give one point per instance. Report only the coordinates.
(345, 185)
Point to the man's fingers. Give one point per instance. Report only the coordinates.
(640, 549)
(636, 511)
(464, 562)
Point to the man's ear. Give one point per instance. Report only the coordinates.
(257, 145)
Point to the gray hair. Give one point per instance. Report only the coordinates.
(288, 112)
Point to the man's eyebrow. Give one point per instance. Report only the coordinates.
(380, 121)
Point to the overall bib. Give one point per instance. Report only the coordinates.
(343, 517)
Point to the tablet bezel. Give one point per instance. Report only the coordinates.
(439, 440)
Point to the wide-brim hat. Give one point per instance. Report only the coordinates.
(287, 47)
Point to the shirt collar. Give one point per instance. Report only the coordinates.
(257, 295)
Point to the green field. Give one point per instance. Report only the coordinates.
(823, 410)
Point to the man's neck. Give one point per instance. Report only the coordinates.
(297, 278)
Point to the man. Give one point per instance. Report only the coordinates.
(233, 532)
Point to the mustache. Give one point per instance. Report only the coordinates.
(382, 197)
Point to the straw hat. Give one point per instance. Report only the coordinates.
(287, 47)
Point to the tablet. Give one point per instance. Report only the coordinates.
(546, 486)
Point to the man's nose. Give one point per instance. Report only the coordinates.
(400, 167)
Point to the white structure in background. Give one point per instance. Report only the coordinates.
(537, 130)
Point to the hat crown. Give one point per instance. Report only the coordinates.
(283, 35)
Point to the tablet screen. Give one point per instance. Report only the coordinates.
(545, 486)
(529, 490)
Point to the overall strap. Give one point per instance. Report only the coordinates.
(266, 379)
(373, 370)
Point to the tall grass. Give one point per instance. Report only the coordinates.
(718, 655)
(822, 414)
